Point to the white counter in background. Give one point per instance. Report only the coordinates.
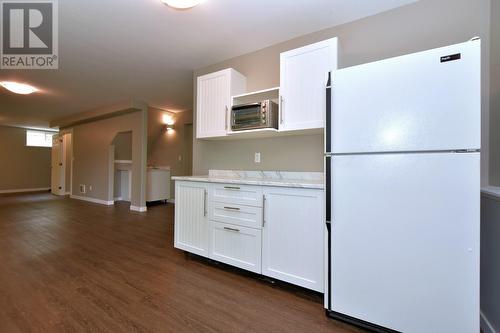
(158, 184)
(313, 180)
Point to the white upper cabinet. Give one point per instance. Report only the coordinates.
(213, 102)
(303, 78)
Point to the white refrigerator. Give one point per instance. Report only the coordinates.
(403, 190)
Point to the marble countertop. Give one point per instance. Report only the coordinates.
(312, 180)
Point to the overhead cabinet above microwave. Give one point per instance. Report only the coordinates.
(300, 98)
(303, 78)
(213, 101)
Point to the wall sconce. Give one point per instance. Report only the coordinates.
(168, 128)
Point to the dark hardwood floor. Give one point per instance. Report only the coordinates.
(72, 266)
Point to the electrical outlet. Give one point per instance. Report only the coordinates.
(257, 157)
(90, 188)
(180, 158)
(82, 188)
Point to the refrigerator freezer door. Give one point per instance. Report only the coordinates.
(405, 240)
(420, 102)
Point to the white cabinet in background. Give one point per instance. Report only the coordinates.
(213, 101)
(191, 217)
(157, 184)
(303, 78)
(293, 236)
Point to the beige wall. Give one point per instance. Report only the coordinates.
(164, 149)
(495, 95)
(416, 27)
(22, 167)
(92, 155)
(123, 146)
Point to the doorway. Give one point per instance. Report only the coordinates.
(61, 159)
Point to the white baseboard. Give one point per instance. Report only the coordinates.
(138, 209)
(118, 199)
(68, 193)
(486, 325)
(24, 190)
(172, 201)
(97, 201)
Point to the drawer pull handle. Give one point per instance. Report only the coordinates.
(232, 208)
(263, 210)
(232, 229)
(231, 187)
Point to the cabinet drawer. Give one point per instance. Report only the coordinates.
(246, 216)
(237, 194)
(237, 246)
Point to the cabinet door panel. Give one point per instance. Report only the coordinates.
(213, 99)
(293, 236)
(236, 245)
(246, 216)
(191, 222)
(237, 194)
(303, 82)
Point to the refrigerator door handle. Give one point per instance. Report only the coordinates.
(328, 114)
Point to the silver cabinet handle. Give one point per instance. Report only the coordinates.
(231, 187)
(232, 229)
(205, 203)
(231, 208)
(281, 109)
(226, 118)
(263, 210)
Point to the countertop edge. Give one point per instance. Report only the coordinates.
(279, 183)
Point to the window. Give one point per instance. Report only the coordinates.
(39, 138)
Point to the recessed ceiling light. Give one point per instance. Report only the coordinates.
(182, 4)
(18, 88)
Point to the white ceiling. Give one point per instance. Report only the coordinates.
(115, 50)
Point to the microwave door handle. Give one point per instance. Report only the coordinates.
(242, 106)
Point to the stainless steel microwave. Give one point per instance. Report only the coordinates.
(254, 115)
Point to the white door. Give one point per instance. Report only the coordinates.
(293, 236)
(57, 166)
(213, 101)
(405, 240)
(421, 101)
(126, 184)
(303, 78)
(191, 217)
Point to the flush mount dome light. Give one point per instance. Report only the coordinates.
(182, 4)
(18, 88)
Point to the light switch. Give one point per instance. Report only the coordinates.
(257, 157)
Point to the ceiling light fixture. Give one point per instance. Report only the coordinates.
(18, 88)
(182, 4)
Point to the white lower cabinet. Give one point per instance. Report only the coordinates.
(236, 245)
(275, 231)
(293, 236)
(191, 217)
